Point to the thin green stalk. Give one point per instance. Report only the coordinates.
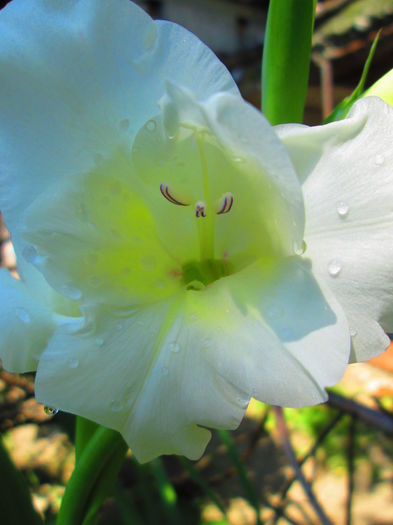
(15, 503)
(241, 471)
(199, 480)
(91, 464)
(128, 513)
(105, 484)
(286, 59)
(166, 490)
(84, 430)
(342, 109)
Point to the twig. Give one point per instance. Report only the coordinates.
(378, 419)
(284, 433)
(320, 439)
(351, 468)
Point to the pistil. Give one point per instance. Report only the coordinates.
(206, 226)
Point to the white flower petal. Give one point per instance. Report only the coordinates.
(346, 169)
(70, 89)
(160, 373)
(25, 325)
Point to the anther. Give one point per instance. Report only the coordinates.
(165, 193)
(226, 203)
(200, 209)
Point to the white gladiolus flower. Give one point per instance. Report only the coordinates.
(179, 255)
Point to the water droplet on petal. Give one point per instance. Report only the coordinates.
(149, 38)
(299, 249)
(91, 258)
(151, 125)
(193, 317)
(148, 263)
(73, 363)
(379, 160)
(94, 281)
(98, 158)
(30, 254)
(334, 267)
(99, 341)
(164, 370)
(353, 333)
(23, 315)
(342, 209)
(116, 405)
(174, 347)
(50, 411)
(275, 312)
(71, 291)
(124, 124)
(238, 159)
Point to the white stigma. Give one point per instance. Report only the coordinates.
(200, 209)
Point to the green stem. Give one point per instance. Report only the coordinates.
(91, 464)
(15, 502)
(84, 431)
(286, 59)
(105, 485)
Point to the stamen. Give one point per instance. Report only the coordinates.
(165, 193)
(227, 203)
(200, 209)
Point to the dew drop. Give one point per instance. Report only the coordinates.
(353, 333)
(238, 159)
(174, 347)
(73, 363)
(116, 405)
(286, 334)
(151, 125)
(91, 258)
(99, 341)
(50, 411)
(71, 291)
(275, 312)
(98, 158)
(379, 160)
(115, 188)
(23, 315)
(124, 124)
(299, 249)
(94, 281)
(342, 209)
(193, 317)
(149, 38)
(83, 213)
(334, 267)
(148, 263)
(164, 370)
(30, 254)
